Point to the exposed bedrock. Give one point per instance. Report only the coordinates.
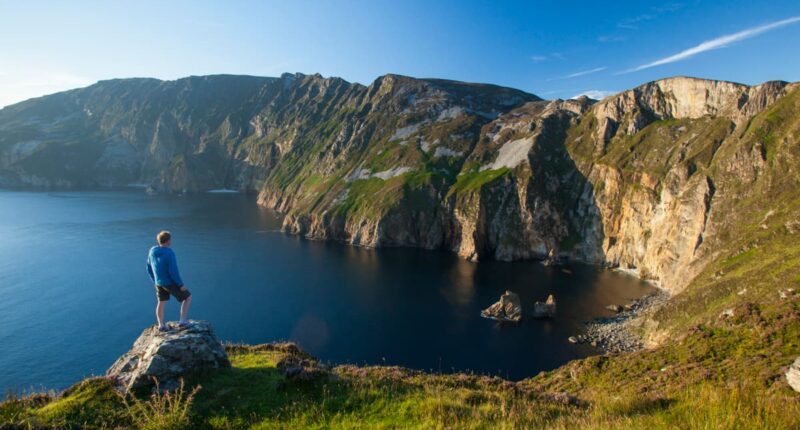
(643, 180)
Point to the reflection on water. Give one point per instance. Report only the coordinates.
(460, 290)
(74, 294)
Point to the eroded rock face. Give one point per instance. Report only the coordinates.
(163, 358)
(634, 181)
(507, 309)
(682, 98)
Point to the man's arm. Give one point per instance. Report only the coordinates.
(173, 270)
(150, 270)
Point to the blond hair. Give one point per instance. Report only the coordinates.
(163, 237)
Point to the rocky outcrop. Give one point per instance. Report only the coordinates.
(793, 375)
(682, 98)
(546, 309)
(507, 309)
(163, 358)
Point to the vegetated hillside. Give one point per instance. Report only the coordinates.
(256, 394)
(689, 182)
(489, 172)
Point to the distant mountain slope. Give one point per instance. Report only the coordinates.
(634, 180)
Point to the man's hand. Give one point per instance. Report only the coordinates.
(183, 288)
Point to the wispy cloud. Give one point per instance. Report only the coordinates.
(585, 72)
(594, 94)
(717, 43)
(609, 38)
(633, 23)
(581, 73)
(545, 57)
(655, 12)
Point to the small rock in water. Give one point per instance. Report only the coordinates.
(508, 308)
(614, 308)
(551, 259)
(546, 309)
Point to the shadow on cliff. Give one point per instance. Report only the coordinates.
(552, 209)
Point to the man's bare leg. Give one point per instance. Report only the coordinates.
(160, 313)
(185, 308)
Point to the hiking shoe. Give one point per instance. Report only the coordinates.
(163, 329)
(185, 324)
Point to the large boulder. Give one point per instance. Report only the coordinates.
(546, 309)
(508, 308)
(793, 375)
(163, 358)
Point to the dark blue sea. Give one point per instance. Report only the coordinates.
(74, 293)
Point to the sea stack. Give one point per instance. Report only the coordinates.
(546, 309)
(507, 309)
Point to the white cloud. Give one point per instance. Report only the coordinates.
(538, 58)
(595, 94)
(581, 73)
(717, 43)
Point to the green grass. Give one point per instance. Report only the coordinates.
(254, 394)
(474, 180)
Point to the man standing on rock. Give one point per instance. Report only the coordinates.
(163, 270)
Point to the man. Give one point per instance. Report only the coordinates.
(163, 270)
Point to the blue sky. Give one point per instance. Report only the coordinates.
(555, 49)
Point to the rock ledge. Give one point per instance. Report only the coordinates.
(163, 358)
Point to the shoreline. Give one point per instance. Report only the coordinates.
(615, 334)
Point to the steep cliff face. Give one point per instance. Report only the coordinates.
(635, 180)
(652, 155)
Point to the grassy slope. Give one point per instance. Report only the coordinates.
(254, 394)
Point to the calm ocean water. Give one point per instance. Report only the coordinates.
(74, 294)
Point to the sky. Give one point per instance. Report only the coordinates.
(554, 49)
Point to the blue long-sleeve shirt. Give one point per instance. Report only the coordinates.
(162, 266)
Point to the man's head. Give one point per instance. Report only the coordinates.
(164, 238)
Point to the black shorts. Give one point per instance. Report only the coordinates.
(163, 293)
